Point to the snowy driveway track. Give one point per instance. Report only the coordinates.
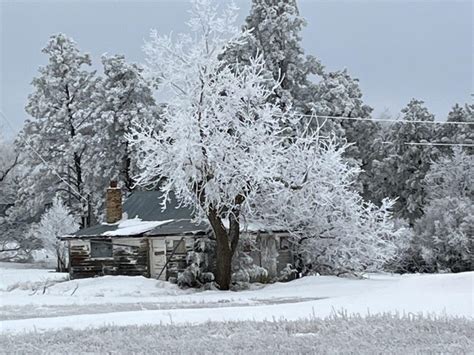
(24, 312)
(105, 298)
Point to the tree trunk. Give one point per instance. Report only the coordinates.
(224, 252)
(224, 262)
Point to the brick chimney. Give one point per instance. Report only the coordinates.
(113, 203)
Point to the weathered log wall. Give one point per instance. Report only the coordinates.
(129, 257)
(274, 252)
(177, 262)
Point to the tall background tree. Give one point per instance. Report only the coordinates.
(339, 96)
(62, 113)
(9, 180)
(75, 142)
(458, 133)
(122, 95)
(273, 29)
(403, 167)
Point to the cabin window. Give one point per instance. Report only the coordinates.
(101, 249)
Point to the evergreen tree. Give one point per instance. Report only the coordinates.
(62, 113)
(9, 181)
(124, 95)
(339, 95)
(275, 32)
(402, 169)
(458, 133)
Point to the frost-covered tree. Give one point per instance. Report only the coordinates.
(123, 95)
(338, 94)
(233, 155)
(445, 232)
(62, 112)
(273, 29)
(402, 169)
(8, 172)
(32, 192)
(57, 221)
(458, 133)
(9, 179)
(335, 230)
(8, 161)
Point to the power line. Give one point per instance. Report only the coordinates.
(389, 120)
(441, 144)
(301, 115)
(43, 160)
(435, 144)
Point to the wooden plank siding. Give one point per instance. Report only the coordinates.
(178, 261)
(135, 256)
(269, 246)
(129, 257)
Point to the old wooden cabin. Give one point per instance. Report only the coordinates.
(140, 238)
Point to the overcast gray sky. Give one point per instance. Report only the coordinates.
(398, 49)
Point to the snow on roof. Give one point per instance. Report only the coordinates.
(254, 226)
(135, 226)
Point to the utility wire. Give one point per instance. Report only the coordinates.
(389, 120)
(441, 144)
(435, 144)
(44, 161)
(309, 116)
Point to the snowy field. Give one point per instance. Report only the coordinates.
(337, 335)
(41, 300)
(44, 312)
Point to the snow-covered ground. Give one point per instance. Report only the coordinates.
(37, 299)
(26, 277)
(381, 334)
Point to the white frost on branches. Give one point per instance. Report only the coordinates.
(8, 162)
(226, 147)
(56, 222)
(446, 229)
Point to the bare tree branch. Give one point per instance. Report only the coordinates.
(3, 174)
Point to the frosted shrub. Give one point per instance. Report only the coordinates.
(189, 277)
(245, 270)
(360, 240)
(444, 233)
(408, 256)
(199, 270)
(56, 222)
(288, 273)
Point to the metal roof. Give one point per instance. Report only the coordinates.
(180, 226)
(94, 230)
(146, 205)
